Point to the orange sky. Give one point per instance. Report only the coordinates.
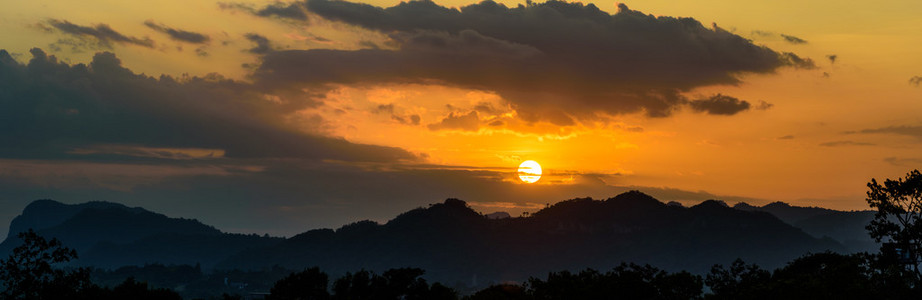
(800, 141)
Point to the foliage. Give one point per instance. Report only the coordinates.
(630, 281)
(30, 272)
(402, 283)
(740, 281)
(899, 215)
(310, 284)
(501, 292)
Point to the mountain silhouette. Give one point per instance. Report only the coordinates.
(455, 243)
(110, 235)
(847, 227)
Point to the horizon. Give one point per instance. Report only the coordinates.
(481, 212)
(274, 117)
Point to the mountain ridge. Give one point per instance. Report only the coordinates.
(451, 240)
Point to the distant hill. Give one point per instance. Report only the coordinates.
(457, 244)
(111, 235)
(454, 243)
(847, 227)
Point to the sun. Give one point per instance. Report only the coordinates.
(529, 171)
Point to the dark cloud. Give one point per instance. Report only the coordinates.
(385, 108)
(464, 122)
(289, 11)
(793, 39)
(786, 137)
(293, 11)
(903, 161)
(369, 45)
(552, 61)
(915, 80)
(787, 38)
(178, 34)
(832, 58)
(263, 45)
(792, 59)
(913, 131)
(52, 110)
(102, 35)
(719, 105)
(388, 109)
(845, 143)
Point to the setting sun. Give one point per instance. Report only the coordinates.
(529, 171)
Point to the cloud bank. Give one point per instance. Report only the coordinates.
(555, 61)
(52, 110)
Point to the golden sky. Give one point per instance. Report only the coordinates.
(682, 111)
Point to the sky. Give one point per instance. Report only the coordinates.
(280, 117)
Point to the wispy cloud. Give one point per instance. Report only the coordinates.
(103, 35)
(178, 34)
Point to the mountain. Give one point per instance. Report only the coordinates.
(847, 227)
(454, 243)
(108, 234)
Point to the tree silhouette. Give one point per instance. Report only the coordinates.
(501, 292)
(310, 284)
(399, 283)
(898, 219)
(30, 273)
(740, 281)
(630, 281)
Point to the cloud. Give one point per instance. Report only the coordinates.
(103, 35)
(263, 45)
(764, 105)
(719, 105)
(903, 161)
(178, 34)
(52, 110)
(293, 11)
(388, 109)
(787, 38)
(832, 58)
(557, 62)
(463, 122)
(915, 80)
(844, 143)
(786, 137)
(793, 39)
(792, 59)
(913, 131)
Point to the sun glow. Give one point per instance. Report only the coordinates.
(529, 171)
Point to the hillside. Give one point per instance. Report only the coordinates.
(111, 235)
(847, 227)
(455, 243)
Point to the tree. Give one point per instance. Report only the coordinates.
(898, 219)
(310, 284)
(30, 273)
(740, 281)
